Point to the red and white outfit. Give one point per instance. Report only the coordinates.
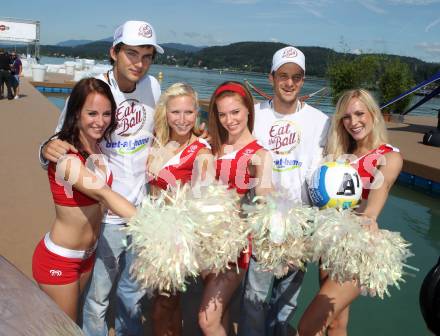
(180, 166)
(233, 170)
(366, 166)
(53, 264)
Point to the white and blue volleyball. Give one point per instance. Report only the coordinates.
(335, 185)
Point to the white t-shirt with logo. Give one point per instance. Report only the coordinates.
(295, 141)
(128, 149)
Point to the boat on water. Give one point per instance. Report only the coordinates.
(78, 68)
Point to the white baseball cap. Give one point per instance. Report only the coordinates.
(135, 33)
(288, 55)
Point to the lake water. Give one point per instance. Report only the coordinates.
(204, 81)
(415, 214)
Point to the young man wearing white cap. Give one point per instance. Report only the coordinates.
(295, 133)
(136, 93)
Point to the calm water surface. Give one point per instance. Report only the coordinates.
(204, 81)
(413, 213)
(417, 217)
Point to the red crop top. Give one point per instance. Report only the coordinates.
(234, 170)
(180, 167)
(365, 165)
(76, 199)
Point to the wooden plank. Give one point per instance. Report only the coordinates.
(27, 210)
(27, 311)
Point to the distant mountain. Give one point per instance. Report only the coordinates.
(107, 39)
(175, 46)
(182, 47)
(241, 56)
(72, 43)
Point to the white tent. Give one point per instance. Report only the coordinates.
(19, 30)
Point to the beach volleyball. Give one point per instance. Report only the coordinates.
(335, 185)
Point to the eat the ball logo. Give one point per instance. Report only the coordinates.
(288, 53)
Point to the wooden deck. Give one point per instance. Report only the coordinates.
(26, 207)
(419, 159)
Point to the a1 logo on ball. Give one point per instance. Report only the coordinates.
(335, 185)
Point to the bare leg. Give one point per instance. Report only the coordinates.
(65, 296)
(329, 309)
(217, 294)
(167, 316)
(83, 280)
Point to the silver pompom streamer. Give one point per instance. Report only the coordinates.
(182, 233)
(164, 243)
(221, 231)
(349, 251)
(279, 230)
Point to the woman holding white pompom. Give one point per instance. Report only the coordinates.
(243, 165)
(177, 153)
(358, 129)
(80, 183)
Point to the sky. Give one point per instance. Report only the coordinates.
(402, 27)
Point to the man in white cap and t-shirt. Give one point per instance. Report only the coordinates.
(136, 93)
(295, 133)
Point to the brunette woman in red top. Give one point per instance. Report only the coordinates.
(80, 184)
(244, 165)
(358, 129)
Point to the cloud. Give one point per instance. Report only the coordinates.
(372, 6)
(192, 35)
(313, 7)
(274, 39)
(240, 2)
(414, 2)
(432, 24)
(201, 39)
(379, 41)
(430, 48)
(376, 6)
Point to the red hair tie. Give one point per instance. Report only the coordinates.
(231, 87)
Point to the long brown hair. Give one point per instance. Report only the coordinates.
(227, 89)
(70, 130)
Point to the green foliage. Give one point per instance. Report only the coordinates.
(343, 75)
(347, 73)
(257, 57)
(387, 75)
(395, 79)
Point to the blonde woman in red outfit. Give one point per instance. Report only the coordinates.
(357, 129)
(184, 160)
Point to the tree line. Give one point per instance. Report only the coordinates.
(389, 75)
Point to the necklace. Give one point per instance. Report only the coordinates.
(181, 147)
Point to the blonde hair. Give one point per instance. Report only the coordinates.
(162, 151)
(161, 127)
(340, 141)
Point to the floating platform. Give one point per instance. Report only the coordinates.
(27, 209)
